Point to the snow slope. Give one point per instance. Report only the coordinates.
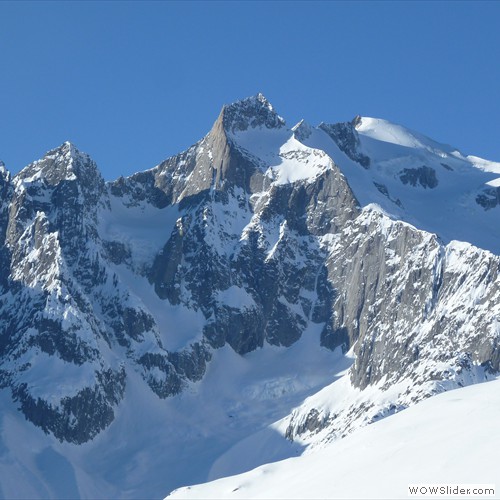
(444, 203)
(450, 438)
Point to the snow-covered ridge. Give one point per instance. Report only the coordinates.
(386, 131)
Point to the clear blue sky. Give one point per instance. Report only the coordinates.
(132, 83)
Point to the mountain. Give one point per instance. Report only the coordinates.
(152, 325)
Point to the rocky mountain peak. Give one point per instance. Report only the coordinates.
(64, 163)
(252, 112)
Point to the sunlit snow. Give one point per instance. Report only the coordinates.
(450, 438)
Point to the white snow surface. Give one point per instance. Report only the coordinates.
(451, 438)
(385, 131)
(236, 297)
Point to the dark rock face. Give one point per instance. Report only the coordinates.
(5, 199)
(176, 368)
(346, 138)
(489, 198)
(383, 189)
(302, 131)
(425, 176)
(80, 417)
(313, 422)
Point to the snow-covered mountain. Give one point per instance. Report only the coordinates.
(153, 326)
